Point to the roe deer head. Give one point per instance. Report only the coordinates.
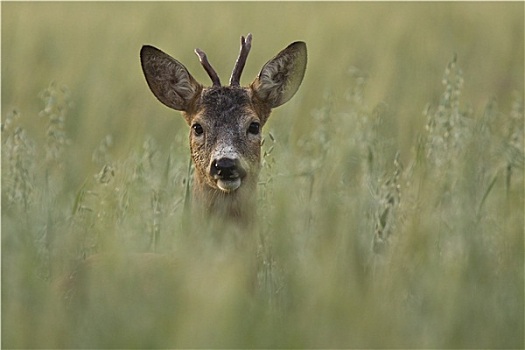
(225, 121)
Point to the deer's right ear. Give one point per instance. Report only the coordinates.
(280, 77)
(168, 79)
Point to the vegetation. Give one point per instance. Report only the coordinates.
(379, 227)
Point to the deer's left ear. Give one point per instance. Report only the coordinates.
(168, 79)
(280, 77)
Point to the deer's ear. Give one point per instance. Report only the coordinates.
(168, 79)
(280, 77)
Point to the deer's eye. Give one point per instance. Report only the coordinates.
(197, 129)
(254, 128)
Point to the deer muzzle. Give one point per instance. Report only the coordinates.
(228, 173)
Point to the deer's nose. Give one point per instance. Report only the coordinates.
(227, 169)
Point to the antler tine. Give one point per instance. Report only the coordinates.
(241, 61)
(208, 68)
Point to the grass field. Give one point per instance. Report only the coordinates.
(391, 200)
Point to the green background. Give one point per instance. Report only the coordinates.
(453, 275)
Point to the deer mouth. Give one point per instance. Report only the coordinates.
(229, 185)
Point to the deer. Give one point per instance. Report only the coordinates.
(225, 146)
(225, 121)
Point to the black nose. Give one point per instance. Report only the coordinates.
(227, 169)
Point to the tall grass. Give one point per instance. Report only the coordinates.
(378, 226)
(355, 249)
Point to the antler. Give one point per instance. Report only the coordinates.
(208, 68)
(241, 61)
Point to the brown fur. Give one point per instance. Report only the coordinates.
(225, 113)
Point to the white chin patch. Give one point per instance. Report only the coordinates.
(229, 185)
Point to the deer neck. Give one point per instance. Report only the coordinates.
(238, 206)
